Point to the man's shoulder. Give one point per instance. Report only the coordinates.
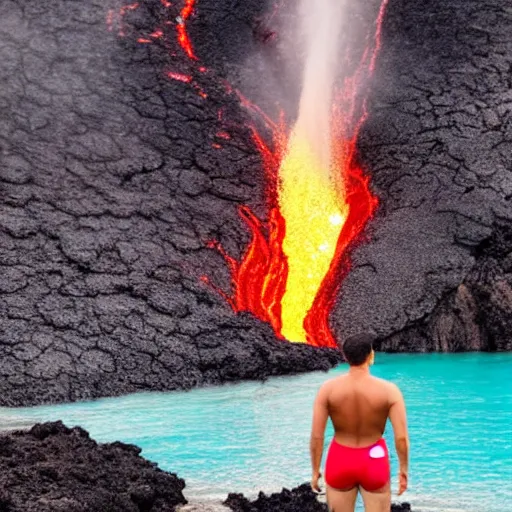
(334, 382)
(387, 384)
(393, 391)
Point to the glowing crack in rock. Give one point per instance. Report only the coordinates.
(183, 37)
(116, 18)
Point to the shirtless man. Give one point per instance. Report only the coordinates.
(358, 460)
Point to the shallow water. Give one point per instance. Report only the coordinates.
(253, 436)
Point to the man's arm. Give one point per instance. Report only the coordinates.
(398, 418)
(316, 446)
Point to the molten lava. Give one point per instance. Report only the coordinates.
(269, 280)
(293, 267)
(183, 37)
(318, 198)
(314, 214)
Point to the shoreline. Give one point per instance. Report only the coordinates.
(51, 466)
(269, 358)
(325, 361)
(140, 422)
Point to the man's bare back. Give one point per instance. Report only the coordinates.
(359, 406)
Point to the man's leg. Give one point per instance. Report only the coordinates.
(377, 501)
(341, 501)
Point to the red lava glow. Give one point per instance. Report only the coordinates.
(223, 135)
(180, 77)
(259, 279)
(183, 37)
(187, 79)
(129, 7)
(114, 18)
(157, 34)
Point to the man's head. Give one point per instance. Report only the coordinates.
(358, 349)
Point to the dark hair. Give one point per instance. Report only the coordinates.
(357, 348)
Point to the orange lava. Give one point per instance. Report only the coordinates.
(259, 280)
(180, 77)
(183, 37)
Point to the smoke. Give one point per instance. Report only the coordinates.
(318, 48)
(321, 28)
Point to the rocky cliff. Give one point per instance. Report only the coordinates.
(114, 176)
(438, 141)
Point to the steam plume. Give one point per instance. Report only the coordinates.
(321, 24)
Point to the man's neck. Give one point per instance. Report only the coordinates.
(359, 371)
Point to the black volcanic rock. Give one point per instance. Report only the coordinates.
(110, 189)
(438, 146)
(477, 315)
(300, 499)
(55, 468)
(113, 179)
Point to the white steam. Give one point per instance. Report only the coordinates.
(321, 24)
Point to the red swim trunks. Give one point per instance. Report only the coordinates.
(367, 467)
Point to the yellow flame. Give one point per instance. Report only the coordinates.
(314, 214)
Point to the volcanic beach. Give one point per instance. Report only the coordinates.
(63, 469)
(136, 157)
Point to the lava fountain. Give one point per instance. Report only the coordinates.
(319, 199)
(311, 194)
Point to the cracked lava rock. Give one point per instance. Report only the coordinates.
(112, 180)
(55, 468)
(300, 499)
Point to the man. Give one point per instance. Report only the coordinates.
(358, 460)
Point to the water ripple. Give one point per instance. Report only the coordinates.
(253, 436)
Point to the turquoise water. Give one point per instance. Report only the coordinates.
(253, 436)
